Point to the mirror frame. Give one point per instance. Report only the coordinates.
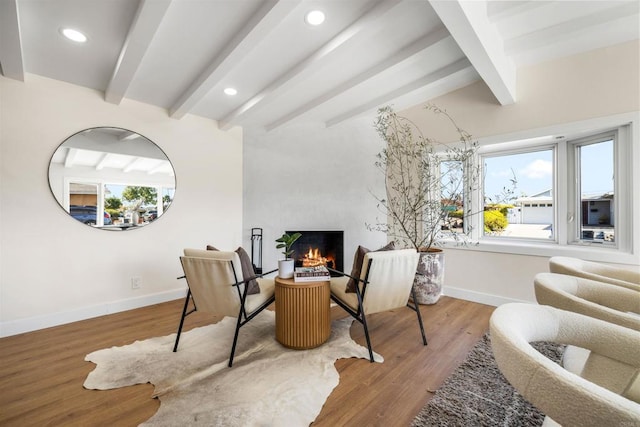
(90, 158)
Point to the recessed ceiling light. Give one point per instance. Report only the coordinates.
(315, 17)
(230, 91)
(73, 35)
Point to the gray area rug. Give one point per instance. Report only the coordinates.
(477, 394)
(268, 385)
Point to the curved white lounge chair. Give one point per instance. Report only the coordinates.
(601, 300)
(602, 395)
(595, 271)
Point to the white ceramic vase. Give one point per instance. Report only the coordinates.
(285, 268)
(429, 276)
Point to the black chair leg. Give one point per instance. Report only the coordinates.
(235, 340)
(417, 309)
(184, 314)
(366, 334)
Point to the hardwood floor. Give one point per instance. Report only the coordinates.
(41, 373)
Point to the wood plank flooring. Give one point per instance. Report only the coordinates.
(41, 373)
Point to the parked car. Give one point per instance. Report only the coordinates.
(87, 214)
(150, 215)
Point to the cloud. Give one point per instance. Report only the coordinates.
(537, 169)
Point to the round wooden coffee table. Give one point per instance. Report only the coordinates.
(303, 320)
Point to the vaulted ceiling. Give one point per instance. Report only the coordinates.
(181, 54)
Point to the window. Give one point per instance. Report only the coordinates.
(518, 194)
(452, 194)
(122, 200)
(574, 191)
(596, 186)
(117, 202)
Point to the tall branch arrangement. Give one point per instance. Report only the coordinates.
(426, 181)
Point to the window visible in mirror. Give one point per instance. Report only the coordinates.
(115, 171)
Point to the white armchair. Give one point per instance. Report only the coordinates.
(604, 301)
(602, 395)
(595, 271)
(216, 286)
(601, 300)
(385, 283)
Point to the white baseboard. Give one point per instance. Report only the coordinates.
(479, 297)
(14, 327)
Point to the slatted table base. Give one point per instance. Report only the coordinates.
(303, 320)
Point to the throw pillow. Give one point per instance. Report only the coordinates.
(247, 269)
(358, 259)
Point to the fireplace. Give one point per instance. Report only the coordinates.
(319, 248)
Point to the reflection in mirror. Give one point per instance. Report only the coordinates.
(111, 178)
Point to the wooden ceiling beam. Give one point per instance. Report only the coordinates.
(243, 42)
(469, 25)
(462, 68)
(403, 54)
(143, 28)
(366, 22)
(11, 58)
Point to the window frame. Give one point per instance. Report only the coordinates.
(574, 189)
(469, 197)
(564, 137)
(530, 147)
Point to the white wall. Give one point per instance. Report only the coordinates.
(54, 269)
(313, 178)
(491, 278)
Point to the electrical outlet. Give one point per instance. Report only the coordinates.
(136, 282)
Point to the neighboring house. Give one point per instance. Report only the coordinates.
(535, 209)
(597, 209)
(83, 194)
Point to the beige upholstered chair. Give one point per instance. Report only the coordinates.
(385, 283)
(596, 271)
(601, 300)
(602, 395)
(216, 286)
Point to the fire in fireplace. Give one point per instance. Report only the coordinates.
(316, 248)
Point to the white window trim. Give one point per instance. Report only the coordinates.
(573, 169)
(529, 147)
(627, 153)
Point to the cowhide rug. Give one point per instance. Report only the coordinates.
(268, 385)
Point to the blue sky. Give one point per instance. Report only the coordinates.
(116, 190)
(534, 171)
(597, 176)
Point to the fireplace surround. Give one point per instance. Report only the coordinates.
(318, 247)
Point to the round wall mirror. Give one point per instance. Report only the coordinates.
(112, 178)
